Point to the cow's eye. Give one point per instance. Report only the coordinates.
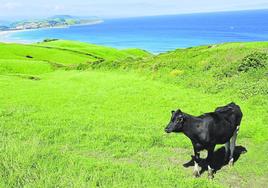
(179, 120)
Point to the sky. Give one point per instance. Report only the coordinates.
(14, 9)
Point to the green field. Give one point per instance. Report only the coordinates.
(81, 115)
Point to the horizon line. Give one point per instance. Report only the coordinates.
(189, 13)
(141, 16)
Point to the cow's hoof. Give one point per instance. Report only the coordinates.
(196, 174)
(231, 162)
(210, 172)
(210, 176)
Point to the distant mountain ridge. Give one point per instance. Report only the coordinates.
(51, 22)
(63, 16)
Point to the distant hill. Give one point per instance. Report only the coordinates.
(62, 17)
(54, 21)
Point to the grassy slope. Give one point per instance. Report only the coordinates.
(212, 69)
(51, 54)
(18, 51)
(107, 53)
(105, 128)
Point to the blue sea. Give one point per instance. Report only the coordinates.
(163, 33)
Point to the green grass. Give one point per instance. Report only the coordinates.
(16, 66)
(18, 51)
(212, 69)
(107, 53)
(104, 128)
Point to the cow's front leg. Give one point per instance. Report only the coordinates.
(196, 172)
(209, 161)
(196, 159)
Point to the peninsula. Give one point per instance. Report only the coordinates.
(52, 22)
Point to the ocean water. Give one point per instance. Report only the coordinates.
(162, 33)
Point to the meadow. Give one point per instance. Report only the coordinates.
(80, 115)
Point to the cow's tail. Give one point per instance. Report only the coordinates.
(237, 128)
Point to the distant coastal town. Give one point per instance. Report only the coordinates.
(52, 22)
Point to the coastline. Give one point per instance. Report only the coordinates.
(10, 31)
(5, 35)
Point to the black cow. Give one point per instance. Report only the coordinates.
(207, 130)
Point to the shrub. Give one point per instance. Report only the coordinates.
(253, 61)
(49, 40)
(225, 72)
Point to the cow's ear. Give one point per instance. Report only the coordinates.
(179, 110)
(172, 112)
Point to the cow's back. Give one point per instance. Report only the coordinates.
(231, 112)
(223, 122)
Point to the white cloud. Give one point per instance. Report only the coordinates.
(58, 7)
(120, 8)
(11, 5)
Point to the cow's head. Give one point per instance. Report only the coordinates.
(176, 122)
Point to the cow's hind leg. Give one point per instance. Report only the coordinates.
(232, 146)
(227, 151)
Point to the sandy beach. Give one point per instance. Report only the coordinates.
(5, 37)
(6, 33)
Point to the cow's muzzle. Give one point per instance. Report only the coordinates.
(167, 130)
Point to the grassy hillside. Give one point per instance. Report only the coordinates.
(233, 67)
(107, 53)
(75, 55)
(71, 117)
